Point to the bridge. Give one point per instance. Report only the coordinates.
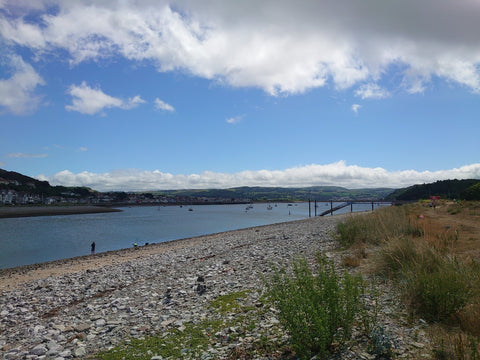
(343, 205)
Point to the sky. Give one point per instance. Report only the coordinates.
(155, 95)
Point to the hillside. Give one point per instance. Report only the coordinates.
(447, 189)
(320, 193)
(10, 180)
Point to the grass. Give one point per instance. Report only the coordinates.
(433, 257)
(378, 227)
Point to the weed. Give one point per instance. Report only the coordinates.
(317, 310)
(229, 302)
(380, 343)
(194, 339)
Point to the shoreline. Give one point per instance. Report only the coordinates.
(78, 307)
(14, 276)
(30, 211)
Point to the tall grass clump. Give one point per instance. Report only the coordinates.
(377, 227)
(318, 310)
(401, 254)
(438, 294)
(436, 285)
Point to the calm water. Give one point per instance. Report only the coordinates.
(32, 240)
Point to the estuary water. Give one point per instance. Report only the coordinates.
(31, 240)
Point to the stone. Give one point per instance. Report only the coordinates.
(201, 289)
(39, 350)
(82, 327)
(80, 351)
(100, 323)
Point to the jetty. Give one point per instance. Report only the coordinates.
(345, 204)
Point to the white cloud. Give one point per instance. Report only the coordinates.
(234, 120)
(372, 91)
(356, 108)
(335, 174)
(82, 148)
(160, 105)
(87, 100)
(281, 47)
(17, 93)
(133, 102)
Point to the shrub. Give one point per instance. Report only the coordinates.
(317, 310)
(440, 292)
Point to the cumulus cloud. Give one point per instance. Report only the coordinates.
(17, 93)
(87, 100)
(161, 105)
(335, 174)
(281, 47)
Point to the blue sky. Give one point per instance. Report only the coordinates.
(145, 95)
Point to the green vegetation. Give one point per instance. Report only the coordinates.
(317, 310)
(174, 343)
(377, 227)
(14, 181)
(447, 189)
(229, 318)
(319, 193)
(471, 193)
(437, 284)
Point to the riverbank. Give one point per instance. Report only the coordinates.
(75, 308)
(27, 211)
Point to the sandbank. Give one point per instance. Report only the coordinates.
(26, 211)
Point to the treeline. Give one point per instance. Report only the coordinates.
(449, 189)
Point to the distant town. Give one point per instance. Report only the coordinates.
(13, 197)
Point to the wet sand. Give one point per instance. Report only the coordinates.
(26, 211)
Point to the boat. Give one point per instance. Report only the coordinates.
(269, 207)
(190, 209)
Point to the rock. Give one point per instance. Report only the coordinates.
(82, 327)
(201, 289)
(80, 351)
(100, 323)
(39, 350)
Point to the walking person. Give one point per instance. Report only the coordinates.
(93, 247)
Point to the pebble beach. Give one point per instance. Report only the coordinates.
(75, 308)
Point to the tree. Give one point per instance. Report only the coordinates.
(471, 193)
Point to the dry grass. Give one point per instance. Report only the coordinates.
(434, 251)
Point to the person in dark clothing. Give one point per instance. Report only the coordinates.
(93, 247)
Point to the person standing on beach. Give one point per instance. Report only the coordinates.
(93, 247)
